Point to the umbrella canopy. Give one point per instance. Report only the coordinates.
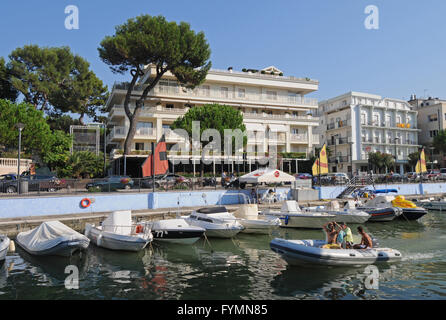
(267, 175)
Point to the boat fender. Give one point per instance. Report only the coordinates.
(287, 219)
(11, 246)
(85, 203)
(99, 240)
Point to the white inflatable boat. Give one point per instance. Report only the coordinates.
(348, 214)
(293, 217)
(118, 233)
(52, 238)
(4, 246)
(248, 216)
(303, 252)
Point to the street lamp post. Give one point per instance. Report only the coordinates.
(396, 156)
(19, 126)
(105, 146)
(351, 159)
(336, 154)
(432, 157)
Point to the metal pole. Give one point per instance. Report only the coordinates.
(105, 148)
(351, 159)
(432, 159)
(394, 164)
(153, 166)
(18, 164)
(125, 164)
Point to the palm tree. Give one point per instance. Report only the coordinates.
(381, 160)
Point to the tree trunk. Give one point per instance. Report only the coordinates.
(133, 118)
(132, 130)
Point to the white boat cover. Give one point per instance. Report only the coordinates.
(267, 175)
(290, 207)
(119, 222)
(247, 211)
(380, 202)
(48, 235)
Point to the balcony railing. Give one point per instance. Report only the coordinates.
(214, 93)
(302, 137)
(339, 124)
(338, 141)
(289, 117)
(387, 124)
(120, 132)
(341, 159)
(171, 135)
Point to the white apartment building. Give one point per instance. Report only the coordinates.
(269, 103)
(355, 124)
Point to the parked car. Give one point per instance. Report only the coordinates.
(335, 178)
(412, 176)
(394, 177)
(433, 175)
(169, 180)
(111, 183)
(37, 182)
(8, 183)
(303, 176)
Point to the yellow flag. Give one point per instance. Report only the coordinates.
(316, 167)
(421, 164)
(320, 166)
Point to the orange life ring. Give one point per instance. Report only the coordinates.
(139, 229)
(85, 203)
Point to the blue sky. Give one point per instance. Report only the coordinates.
(321, 39)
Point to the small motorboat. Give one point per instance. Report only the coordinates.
(381, 209)
(410, 209)
(432, 204)
(217, 221)
(293, 217)
(52, 238)
(175, 231)
(248, 216)
(4, 246)
(310, 252)
(117, 232)
(348, 214)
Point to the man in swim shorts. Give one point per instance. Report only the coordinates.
(331, 232)
(366, 241)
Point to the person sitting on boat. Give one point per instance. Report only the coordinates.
(340, 238)
(332, 234)
(348, 237)
(366, 241)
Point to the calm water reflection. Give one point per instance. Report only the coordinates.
(241, 269)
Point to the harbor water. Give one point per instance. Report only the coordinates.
(243, 268)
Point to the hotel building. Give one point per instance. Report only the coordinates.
(269, 101)
(355, 124)
(432, 118)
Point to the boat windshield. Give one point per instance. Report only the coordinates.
(212, 210)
